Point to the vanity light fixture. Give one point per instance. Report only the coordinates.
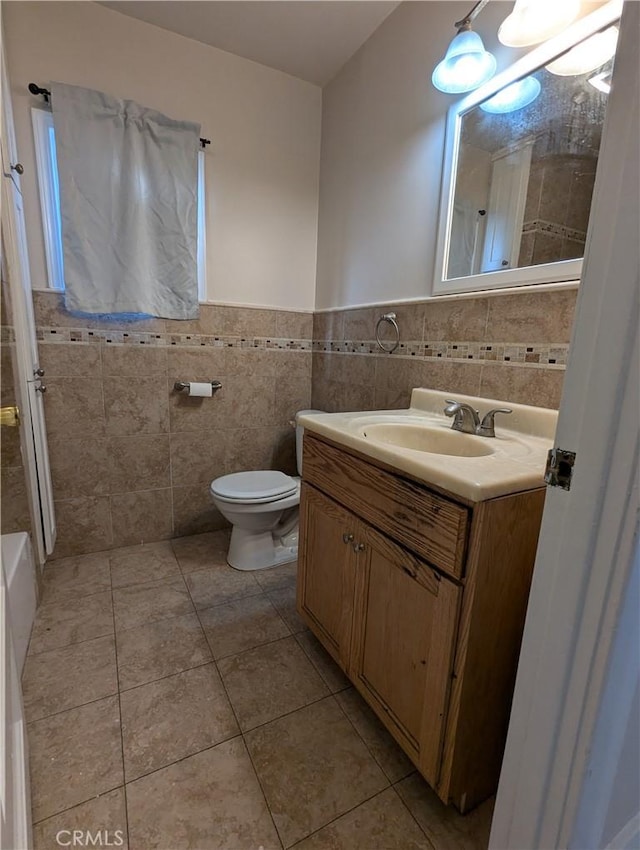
(586, 56)
(466, 64)
(513, 97)
(533, 21)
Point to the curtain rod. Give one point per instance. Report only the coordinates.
(46, 94)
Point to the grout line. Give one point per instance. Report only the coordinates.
(167, 676)
(182, 758)
(73, 707)
(81, 803)
(115, 642)
(244, 742)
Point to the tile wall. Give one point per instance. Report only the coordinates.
(504, 346)
(131, 459)
(14, 502)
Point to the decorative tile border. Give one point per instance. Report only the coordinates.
(547, 355)
(540, 225)
(148, 338)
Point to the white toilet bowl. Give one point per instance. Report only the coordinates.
(263, 510)
(262, 507)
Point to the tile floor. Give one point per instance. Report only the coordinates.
(186, 704)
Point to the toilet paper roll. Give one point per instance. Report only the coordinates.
(200, 389)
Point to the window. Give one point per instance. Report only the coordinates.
(45, 144)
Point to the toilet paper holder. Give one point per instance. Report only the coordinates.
(184, 385)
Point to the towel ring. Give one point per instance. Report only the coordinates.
(391, 319)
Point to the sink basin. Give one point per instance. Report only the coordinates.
(422, 438)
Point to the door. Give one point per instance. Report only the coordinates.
(326, 571)
(507, 198)
(405, 625)
(16, 267)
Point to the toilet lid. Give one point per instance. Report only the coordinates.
(249, 486)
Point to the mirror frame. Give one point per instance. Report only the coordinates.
(561, 271)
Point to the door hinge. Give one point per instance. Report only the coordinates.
(559, 469)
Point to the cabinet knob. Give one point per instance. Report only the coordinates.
(347, 538)
(41, 389)
(18, 168)
(358, 547)
(39, 372)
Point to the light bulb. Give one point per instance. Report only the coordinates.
(533, 21)
(586, 56)
(466, 65)
(516, 96)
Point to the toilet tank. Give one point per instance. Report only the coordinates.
(299, 435)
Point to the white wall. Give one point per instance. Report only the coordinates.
(262, 165)
(382, 144)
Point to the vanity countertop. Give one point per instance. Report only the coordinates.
(419, 441)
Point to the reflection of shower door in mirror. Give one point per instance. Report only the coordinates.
(505, 214)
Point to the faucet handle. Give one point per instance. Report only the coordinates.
(486, 427)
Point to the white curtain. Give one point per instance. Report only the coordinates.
(128, 197)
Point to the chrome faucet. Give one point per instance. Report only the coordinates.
(467, 420)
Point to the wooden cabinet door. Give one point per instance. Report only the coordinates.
(404, 635)
(326, 571)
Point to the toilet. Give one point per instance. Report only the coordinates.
(262, 507)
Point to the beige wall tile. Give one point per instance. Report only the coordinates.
(290, 325)
(141, 517)
(252, 448)
(531, 317)
(133, 360)
(84, 525)
(196, 364)
(248, 321)
(463, 320)
(80, 466)
(136, 405)
(138, 463)
(74, 407)
(360, 324)
(198, 457)
(540, 387)
(194, 511)
(250, 401)
(292, 363)
(292, 395)
(452, 376)
(10, 455)
(328, 326)
(14, 503)
(250, 361)
(75, 359)
(189, 413)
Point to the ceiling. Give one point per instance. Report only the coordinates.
(310, 39)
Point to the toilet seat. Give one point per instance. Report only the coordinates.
(255, 487)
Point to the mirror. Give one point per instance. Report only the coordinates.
(520, 166)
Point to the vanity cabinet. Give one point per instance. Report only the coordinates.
(420, 598)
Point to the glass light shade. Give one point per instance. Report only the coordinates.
(466, 65)
(586, 56)
(513, 97)
(533, 21)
